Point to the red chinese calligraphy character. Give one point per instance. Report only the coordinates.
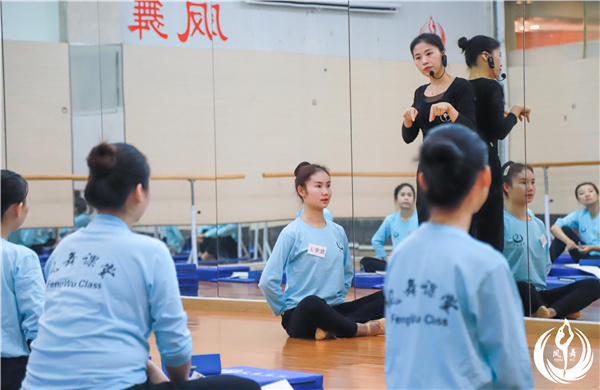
(147, 14)
(432, 26)
(197, 17)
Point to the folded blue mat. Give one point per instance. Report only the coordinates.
(367, 280)
(210, 365)
(264, 376)
(565, 258)
(564, 271)
(594, 262)
(559, 281)
(212, 273)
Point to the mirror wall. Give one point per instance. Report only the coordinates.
(245, 90)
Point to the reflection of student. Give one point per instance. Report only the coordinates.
(108, 289)
(398, 225)
(173, 238)
(526, 249)
(81, 218)
(445, 99)
(483, 57)
(36, 239)
(80, 208)
(314, 253)
(217, 241)
(586, 220)
(21, 283)
(447, 294)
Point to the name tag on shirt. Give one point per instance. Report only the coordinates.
(544, 241)
(317, 250)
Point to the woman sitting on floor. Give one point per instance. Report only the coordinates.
(526, 249)
(314, 253)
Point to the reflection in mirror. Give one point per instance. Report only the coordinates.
(281, 96)
(386, 82)
(169, 116)
(554, 47)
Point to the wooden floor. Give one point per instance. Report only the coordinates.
(257, 339)
(251, 291)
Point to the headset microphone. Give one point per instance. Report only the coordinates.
(432, 74)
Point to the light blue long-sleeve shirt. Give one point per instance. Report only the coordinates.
(212, 231)
(173, 236)
(107, 290)
(395, 227)
(22, 287)
(589, 229)
(29, 237)
(81, 221)
(316, 262)
(527, 239)
(454, 319)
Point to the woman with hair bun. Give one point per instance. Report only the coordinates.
(397, 225)
(483, 57)
(108, 289)
(586, 220)
(21, 284)
(447, 294)
(526, 249)
(314, 253)
(445, 99)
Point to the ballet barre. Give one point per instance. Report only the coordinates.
(153, 177)
(347, 174)
(190, 178)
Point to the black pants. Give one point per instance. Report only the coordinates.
(371, 264)
(223, 248)
(422, 203)
(565, 300)
(488, 223)
(13, 372)
(313, 312)
(557, 247)
(225, 382)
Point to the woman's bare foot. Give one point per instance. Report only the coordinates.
(542, 312)
(321, 334)
(371, 328)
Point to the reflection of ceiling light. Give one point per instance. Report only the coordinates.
(521, 28)
(535, 27)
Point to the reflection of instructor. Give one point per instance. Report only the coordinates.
(445, 99)
(483, 57)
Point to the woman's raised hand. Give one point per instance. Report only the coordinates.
(410, 116)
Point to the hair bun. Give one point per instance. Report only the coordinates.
(102, 160)
(302, 164)
(442, 152)
(463, 43)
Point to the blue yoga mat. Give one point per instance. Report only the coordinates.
(264, 376)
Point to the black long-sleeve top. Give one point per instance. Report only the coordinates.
(492, 125)
(459, 94)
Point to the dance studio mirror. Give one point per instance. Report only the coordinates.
(553, 47)
(282, 96)
(245, 90)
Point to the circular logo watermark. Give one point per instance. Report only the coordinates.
(568, 360)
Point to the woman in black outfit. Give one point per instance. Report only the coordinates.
(445, 99)
(483, 57)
